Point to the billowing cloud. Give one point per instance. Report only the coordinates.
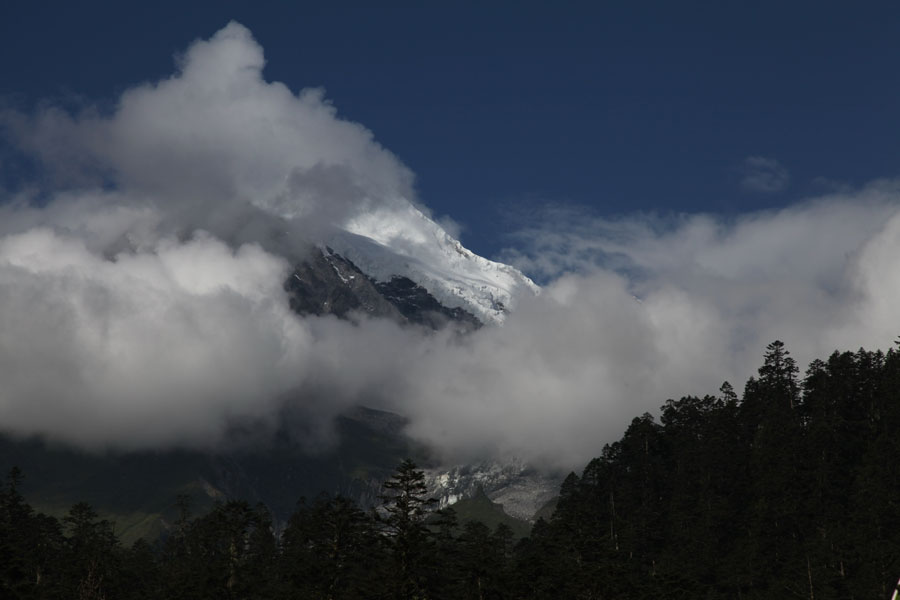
(713, 292)
(764, 175)
(215, 140)
(141, 348)
(141, 274)
(142, 302)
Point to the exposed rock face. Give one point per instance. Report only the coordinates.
(418, 306)
(519, 488)
(326, 283)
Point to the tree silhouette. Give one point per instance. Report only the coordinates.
(405, 506)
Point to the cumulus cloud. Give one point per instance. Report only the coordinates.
(98, 350)
(141, 274)
(142, 301)
(216, 140)
(764, 175)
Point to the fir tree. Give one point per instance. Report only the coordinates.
(405, 506)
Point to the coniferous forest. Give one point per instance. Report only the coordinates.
(790, 491)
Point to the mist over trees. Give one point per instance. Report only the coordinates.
(789, 490)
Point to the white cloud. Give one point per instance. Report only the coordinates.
(150, 311)
(714, 292)
(215, 139)
(764, 175)
(124, 322)
(145, 348)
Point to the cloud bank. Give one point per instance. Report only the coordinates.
(141, 300)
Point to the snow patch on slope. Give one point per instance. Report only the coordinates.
(521, 489)
(405, 242)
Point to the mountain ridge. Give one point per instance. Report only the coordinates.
(405, 242)
(325, 282)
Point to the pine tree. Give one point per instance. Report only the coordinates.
(31, 546)
(92, 553)
(405, 506)
(330, 550)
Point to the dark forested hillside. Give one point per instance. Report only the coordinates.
(137, 489)
(790, 491)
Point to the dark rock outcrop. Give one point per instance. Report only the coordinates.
(326, 283)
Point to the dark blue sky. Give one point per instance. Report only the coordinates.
(626, 106)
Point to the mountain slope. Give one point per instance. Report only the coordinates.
(378, 268)
(138, 490)
(480, 508)
(325, 282)
(405, 242)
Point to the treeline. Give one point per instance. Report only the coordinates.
(790, 491)
(330, 548)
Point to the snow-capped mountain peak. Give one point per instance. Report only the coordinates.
(403, 241)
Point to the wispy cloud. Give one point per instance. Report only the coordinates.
(763, 175)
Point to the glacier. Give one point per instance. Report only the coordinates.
(403, 241)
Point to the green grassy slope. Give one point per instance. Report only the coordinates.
(481, 508)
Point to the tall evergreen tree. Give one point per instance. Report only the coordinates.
(775, 550)
(405, 506)
(92, 553)
(228, 553)
(31, 546)
(330, 549)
